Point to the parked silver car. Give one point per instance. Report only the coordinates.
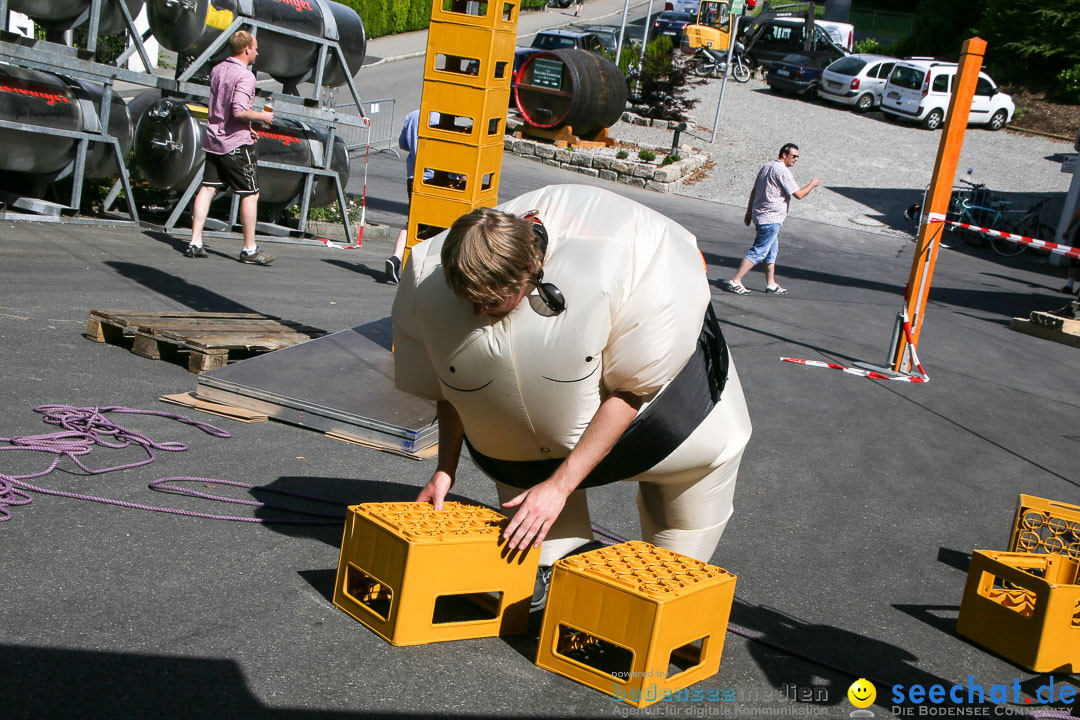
(856, 80)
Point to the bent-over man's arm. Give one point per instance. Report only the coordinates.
(451, 435)
(541, 504)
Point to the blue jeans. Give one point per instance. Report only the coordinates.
(766, 245)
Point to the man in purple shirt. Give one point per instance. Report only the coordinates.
(231, 155)
(767, 208)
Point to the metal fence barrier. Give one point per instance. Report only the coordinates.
(882, 24)
(384, 133)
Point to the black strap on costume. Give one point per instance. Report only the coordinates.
(656, 431)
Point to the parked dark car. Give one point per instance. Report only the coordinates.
(798, 73)
(783, 36)
(672, 24)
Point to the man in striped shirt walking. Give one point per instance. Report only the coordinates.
(767, 209)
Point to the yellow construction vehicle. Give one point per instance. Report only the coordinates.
(713, 27)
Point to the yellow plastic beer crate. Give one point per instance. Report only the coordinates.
(501, 15)
(1024, 607)
(458, 172)
(1045, 526)
(415, 575)
(635, 621)
(473, 56)
(429, 215)
(471, 116)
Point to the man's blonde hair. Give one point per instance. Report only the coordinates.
(240, 40)
(490, 255)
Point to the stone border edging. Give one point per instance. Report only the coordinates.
(630, 171)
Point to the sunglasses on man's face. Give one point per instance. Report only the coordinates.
(551, 299)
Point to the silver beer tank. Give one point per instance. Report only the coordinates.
(169, 152)
(190, 26)
(62, 14)
(54, 101)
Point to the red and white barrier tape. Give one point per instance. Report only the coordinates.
(331, 244)
(856, 371)
(870, 374)
(1055, 248)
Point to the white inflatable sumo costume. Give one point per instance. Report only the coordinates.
(526, 385)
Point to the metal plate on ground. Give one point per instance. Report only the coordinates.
(341, 383)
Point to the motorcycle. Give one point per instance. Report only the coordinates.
(713, 63)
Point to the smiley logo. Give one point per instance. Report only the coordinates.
(862, 693)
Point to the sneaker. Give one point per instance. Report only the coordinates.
(737, 288)
(256, 258)
(195, 251)
(393, 269)
(543, 576)
(540, 589)
(775, 290)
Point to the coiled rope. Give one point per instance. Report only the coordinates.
(82, 428)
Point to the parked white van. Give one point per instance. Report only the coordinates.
(920, 90)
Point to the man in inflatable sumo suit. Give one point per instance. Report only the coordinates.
(569, 341)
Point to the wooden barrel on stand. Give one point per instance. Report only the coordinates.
(570, 87)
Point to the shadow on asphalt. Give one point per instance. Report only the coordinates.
(378, 275)
(889, 203)
(196, 297)
(331, 491)
(1006, 303)
(87, 684)
(387, 205)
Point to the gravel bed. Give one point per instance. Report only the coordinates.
(871, 169)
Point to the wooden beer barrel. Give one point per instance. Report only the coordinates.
(570, 87)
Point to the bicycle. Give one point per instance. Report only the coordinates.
(977, 206)
(1030, 225)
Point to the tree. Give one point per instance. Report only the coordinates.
(1031, 42)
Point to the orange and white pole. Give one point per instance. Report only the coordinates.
(937, 200)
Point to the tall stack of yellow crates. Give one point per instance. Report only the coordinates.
(470, 58)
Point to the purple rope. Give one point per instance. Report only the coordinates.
(84, 427)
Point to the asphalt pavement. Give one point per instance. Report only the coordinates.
(858, 504)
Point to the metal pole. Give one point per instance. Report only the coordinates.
(727, 72)
(95, 24)
(645, 39)
(622, 29)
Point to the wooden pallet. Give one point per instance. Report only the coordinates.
(1049, 327)
(208, 339)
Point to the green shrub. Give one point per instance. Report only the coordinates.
(1069, 84)
(668, 159)
(331, 212)
(665, 82)
(622, 155)
(388, 17)
(869, 45)
(646, 155)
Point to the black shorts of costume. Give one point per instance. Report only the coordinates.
(236, 170)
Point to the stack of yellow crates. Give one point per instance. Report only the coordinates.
(1024, 604)
(470, 58)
